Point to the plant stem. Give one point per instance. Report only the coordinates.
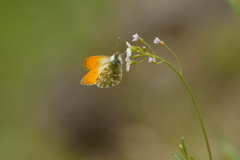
(195, 104)
(175, 57)
(199, 116)
(149, 47)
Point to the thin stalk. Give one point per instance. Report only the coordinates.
(195, 105)
(180, 66)
(189, 91)
(149, 47)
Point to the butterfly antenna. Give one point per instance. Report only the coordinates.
(117, 44)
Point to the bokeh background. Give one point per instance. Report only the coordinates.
(46, 114)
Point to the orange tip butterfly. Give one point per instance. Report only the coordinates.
(104, 71)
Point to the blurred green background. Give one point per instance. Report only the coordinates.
(46, 114)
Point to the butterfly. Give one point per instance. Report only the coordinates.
(104, 71)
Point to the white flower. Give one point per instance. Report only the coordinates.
(152, 60)
(129, 54)
(128, 64)
(136, 37)
(129, 50)
(157, 41)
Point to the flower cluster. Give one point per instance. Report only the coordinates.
(141, 51)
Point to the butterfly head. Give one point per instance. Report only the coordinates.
(116, 58)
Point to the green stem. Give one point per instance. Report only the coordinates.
(189, 91)
(149, 48)
(175, 57)
(194, 102)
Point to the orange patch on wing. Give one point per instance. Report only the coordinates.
(91, 77)
(95, 61)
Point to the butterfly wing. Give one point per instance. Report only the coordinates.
(91, 77)
(104, 71)
(110, 76)
(92, 62)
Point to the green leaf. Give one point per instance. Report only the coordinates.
(181, 149)
(178, 157)
(191, 158)
(184, 148)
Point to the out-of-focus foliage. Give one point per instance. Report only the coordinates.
(235, 4)
(46, 114)
(229, 151)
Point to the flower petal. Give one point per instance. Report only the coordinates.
(157, 41)
(128, 64)
(152, 60)
(129, 50)
(136, 37)
(129, 45)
